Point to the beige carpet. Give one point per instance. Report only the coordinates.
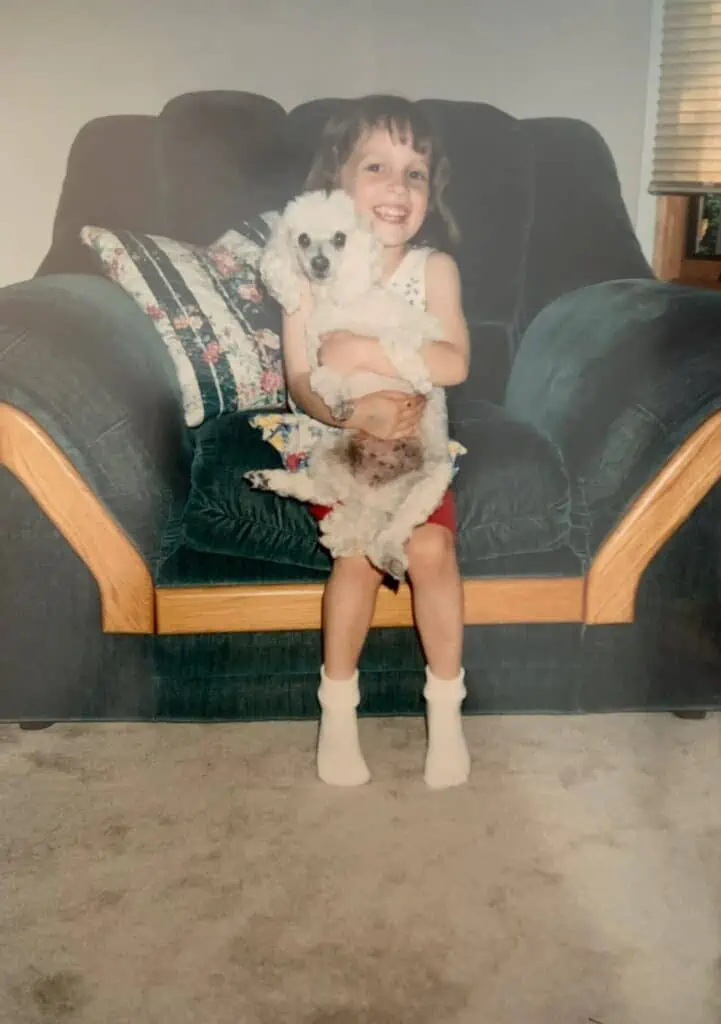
(200, 875)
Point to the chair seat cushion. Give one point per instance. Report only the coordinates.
(512, 489)
(511, 492)
(224, 515)
(186, 566)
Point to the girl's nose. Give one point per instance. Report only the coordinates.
(398, 183)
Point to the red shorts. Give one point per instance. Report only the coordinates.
(444, 515)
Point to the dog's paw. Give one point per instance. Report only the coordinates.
(328, 385)
(396, 566)
(338, 536)
(258, 478)
(389, 556)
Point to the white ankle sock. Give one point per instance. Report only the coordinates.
(339, 758)
(448, 762)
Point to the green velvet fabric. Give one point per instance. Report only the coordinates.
(580, 360)
(80, 358)
(186, 567)
(618, 375)
(224, 515)
(512, 497)
(275, 675)
(512, 492)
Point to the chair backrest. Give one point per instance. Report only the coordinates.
(538, 201)
(111, 180)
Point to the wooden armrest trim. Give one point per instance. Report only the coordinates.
(123, 578)
(615, 575)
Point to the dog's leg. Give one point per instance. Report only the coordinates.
(300, 485)
(403, 345)
(388, 550)
(408, 362)
(334, 534)
(423, 499)
(332, 387)
(350, 529)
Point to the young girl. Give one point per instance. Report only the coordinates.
(383, 153)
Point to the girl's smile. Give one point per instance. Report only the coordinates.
(389, 182)
(392, 214)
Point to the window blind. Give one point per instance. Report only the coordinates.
(687, 146)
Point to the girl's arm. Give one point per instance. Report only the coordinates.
(447, 359)
(386, 414)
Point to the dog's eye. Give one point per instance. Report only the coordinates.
(304, 240)
(339, 239)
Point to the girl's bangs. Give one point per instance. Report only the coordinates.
(402, 129)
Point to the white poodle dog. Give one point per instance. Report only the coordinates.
(378, 490)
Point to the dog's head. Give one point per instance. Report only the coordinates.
(320, 237)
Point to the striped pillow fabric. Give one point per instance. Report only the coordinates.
(211, 310)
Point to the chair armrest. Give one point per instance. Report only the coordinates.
(619, 375)
(80, 360)
(664, 504)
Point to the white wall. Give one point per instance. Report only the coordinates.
(63, 62)
(646, 208)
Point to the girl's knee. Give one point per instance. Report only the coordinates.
(357, 571)
(431, 552)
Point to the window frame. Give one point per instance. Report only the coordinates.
(670, 259)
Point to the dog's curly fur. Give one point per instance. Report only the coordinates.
(379, 491)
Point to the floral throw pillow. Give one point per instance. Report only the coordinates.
(210, 308)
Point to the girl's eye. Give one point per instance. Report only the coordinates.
(339, 239)
(304, 240)
(373, 168)
(419, 175)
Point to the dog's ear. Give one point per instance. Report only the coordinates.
(279, 268)
(362, 263)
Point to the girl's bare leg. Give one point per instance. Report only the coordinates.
(438, 609)
(348, 604)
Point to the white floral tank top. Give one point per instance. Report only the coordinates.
(409, 280)
(409, 277)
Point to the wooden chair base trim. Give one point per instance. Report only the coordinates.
(125, 584)
(243, 609)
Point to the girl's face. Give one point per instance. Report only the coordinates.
(389, 182)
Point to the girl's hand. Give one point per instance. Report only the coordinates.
(342, 351)
(388, 415)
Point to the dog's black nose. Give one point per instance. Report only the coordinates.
(320, 264)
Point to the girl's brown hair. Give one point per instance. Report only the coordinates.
(404, 120)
